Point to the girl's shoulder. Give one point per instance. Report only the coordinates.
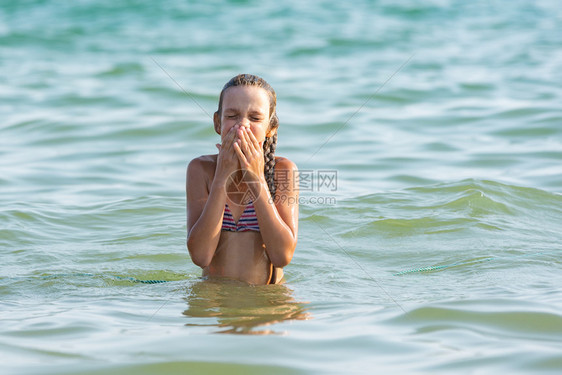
(203, 163)
(284, 164)
(205, 160)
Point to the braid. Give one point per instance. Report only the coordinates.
(269, 147)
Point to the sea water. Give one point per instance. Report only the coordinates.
(428, 135)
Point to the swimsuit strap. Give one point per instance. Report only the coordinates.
(273, 274)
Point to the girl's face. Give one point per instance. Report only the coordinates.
(245, 106)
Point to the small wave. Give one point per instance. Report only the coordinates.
(449, 207)
(121, 70)
(485, 317)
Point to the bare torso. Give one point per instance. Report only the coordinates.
(239, 255)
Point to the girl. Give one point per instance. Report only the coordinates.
(242, 203)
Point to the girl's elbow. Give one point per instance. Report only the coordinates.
(285, 258)
(280, 263)
(200, 260)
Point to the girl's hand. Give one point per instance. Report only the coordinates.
(250, 154)
(227, 160)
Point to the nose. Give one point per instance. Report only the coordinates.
(245, 122)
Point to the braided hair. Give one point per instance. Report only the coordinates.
(270, 143)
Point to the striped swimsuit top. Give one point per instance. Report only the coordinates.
(248, 220)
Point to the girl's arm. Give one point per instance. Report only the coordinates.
(206, 207)
(279, 218)
(204, 213)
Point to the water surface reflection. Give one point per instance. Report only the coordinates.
(239, 308)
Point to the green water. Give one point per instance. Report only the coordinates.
(429, 236)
